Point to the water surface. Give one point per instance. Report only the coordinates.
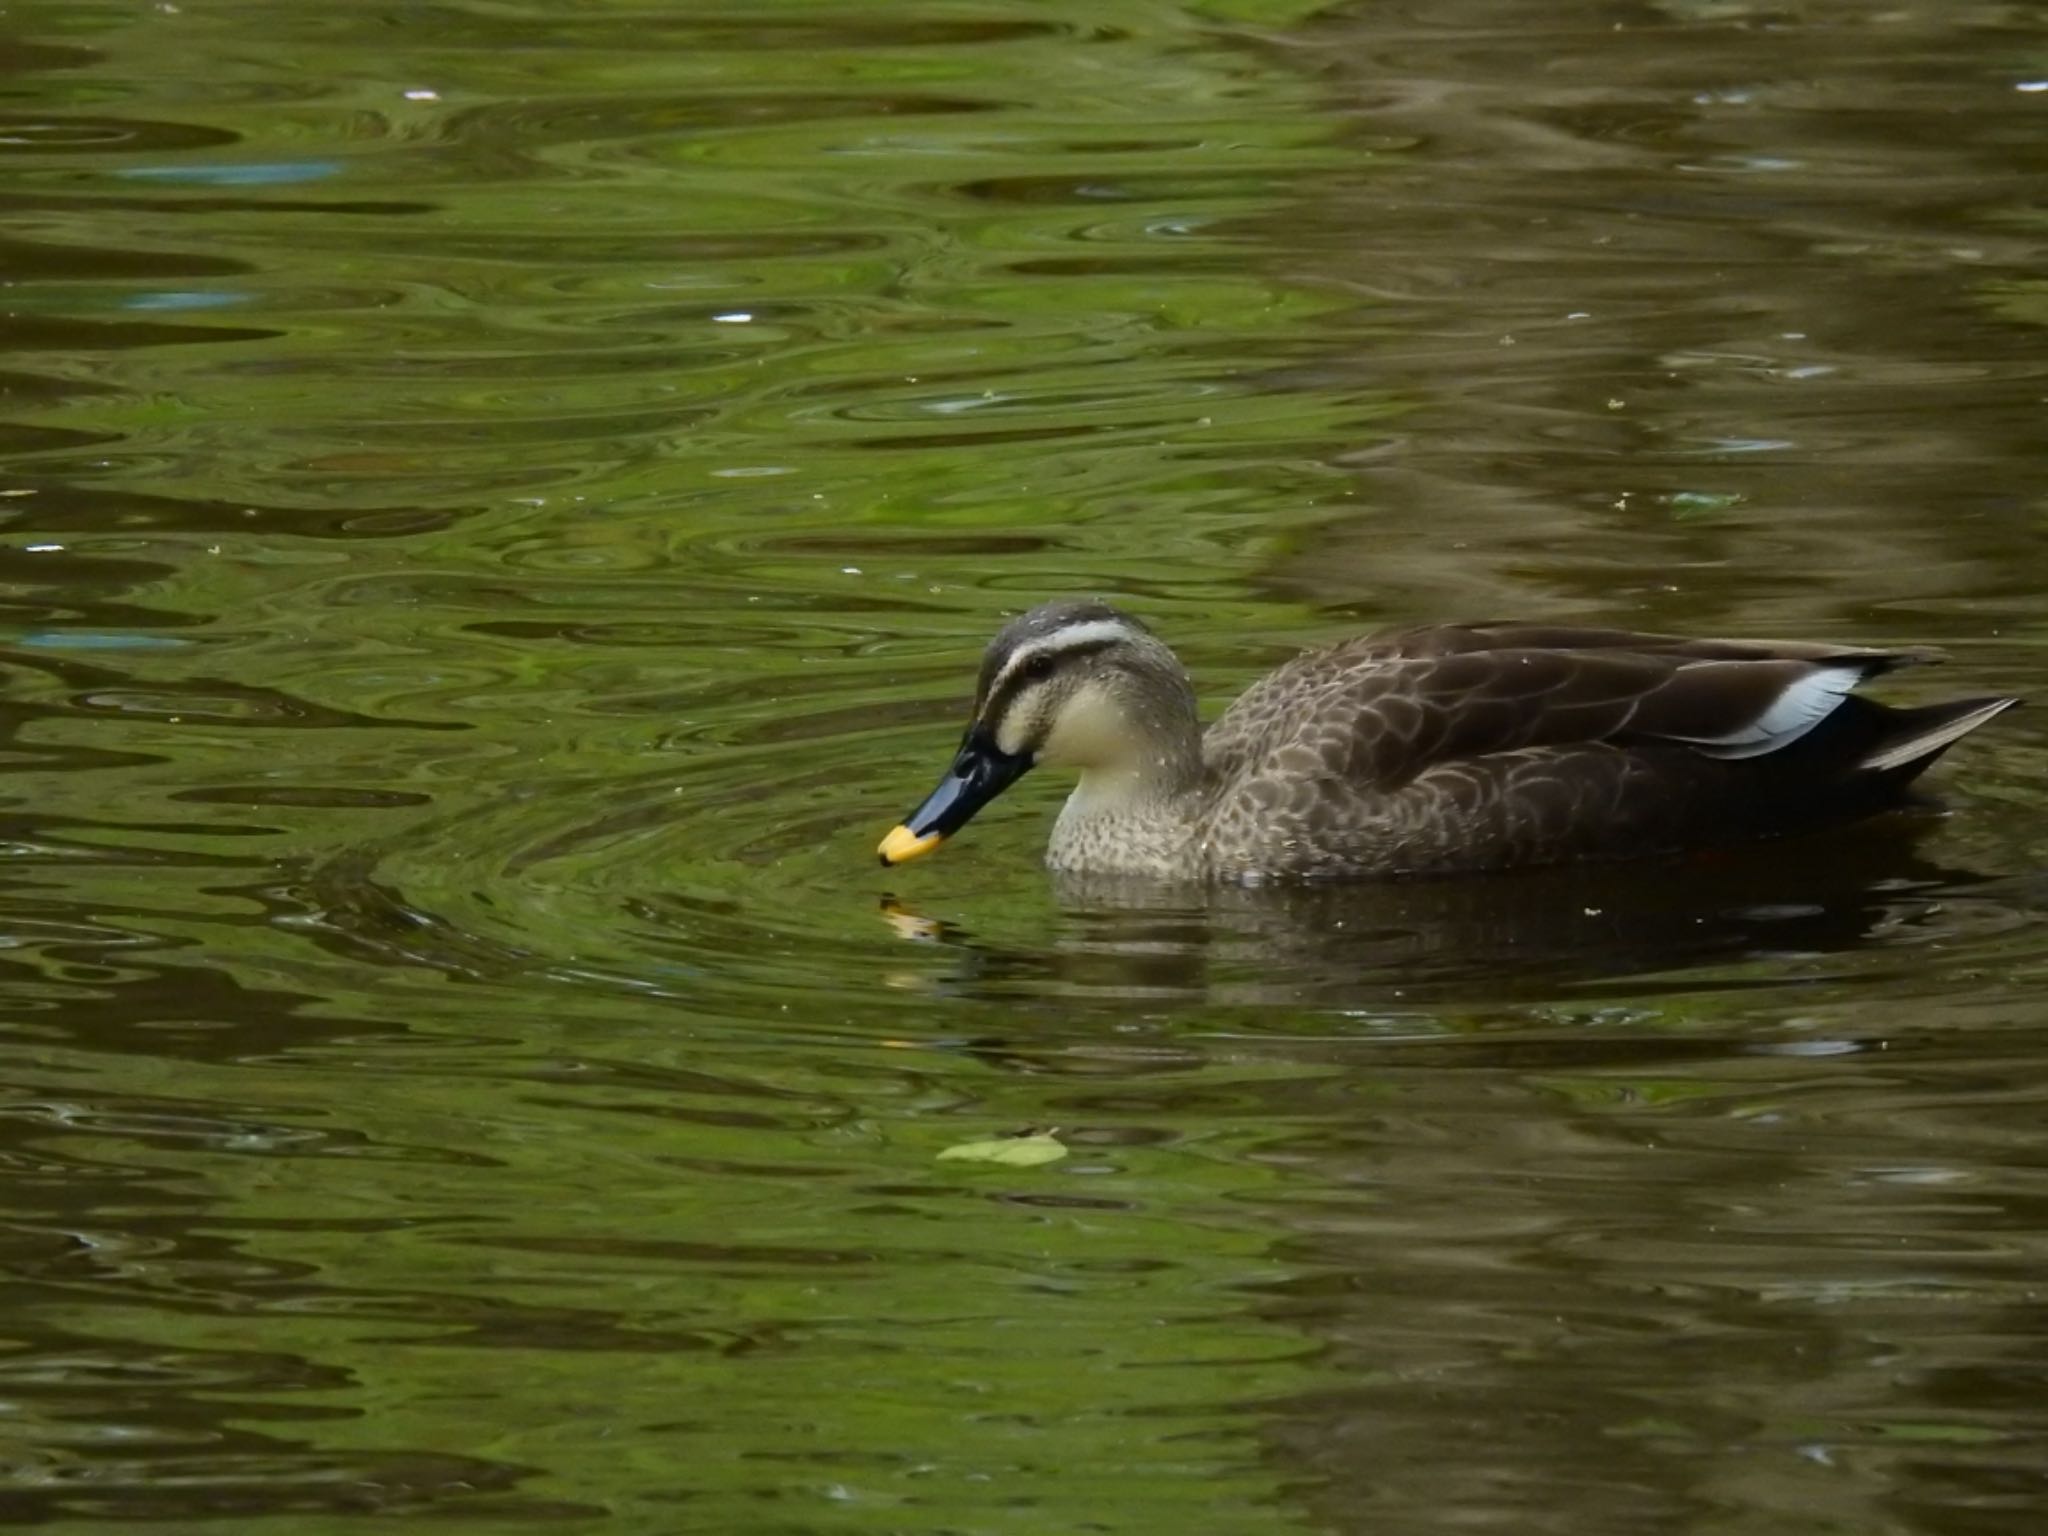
(502, 503)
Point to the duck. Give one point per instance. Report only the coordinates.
(1436, 749)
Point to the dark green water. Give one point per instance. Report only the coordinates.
(502, 502)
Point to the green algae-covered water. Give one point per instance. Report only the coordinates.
(501, 506)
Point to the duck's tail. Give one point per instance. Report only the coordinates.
(1912, 739)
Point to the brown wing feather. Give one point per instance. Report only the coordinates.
(1453, 639)
(1435, 750)
(1385, 706)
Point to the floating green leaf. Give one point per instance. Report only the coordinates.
(1010, 1151)
(1685, 505)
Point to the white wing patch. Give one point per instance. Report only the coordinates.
(1805, 702)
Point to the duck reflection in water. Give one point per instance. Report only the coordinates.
(1498, 938)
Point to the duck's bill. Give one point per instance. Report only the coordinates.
(978, 775)
(902, 845)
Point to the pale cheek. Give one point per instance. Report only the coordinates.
(1012, 738)
(1088, 734)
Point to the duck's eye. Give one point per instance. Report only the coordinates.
(1038, 669)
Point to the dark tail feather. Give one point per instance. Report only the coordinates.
(1913, 738)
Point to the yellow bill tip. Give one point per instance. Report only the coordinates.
(902, 845)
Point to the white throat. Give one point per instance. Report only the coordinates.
(1117, 754)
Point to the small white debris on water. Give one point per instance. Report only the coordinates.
(2032, 87)
(733, 317)
(421, 93)
(45, 549)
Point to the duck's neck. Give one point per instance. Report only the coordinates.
(1158, 780)
(1141, 790)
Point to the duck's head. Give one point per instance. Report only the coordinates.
(1071, 684)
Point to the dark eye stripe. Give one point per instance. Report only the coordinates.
(998, 703)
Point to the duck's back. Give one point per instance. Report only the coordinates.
(1458, 747)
